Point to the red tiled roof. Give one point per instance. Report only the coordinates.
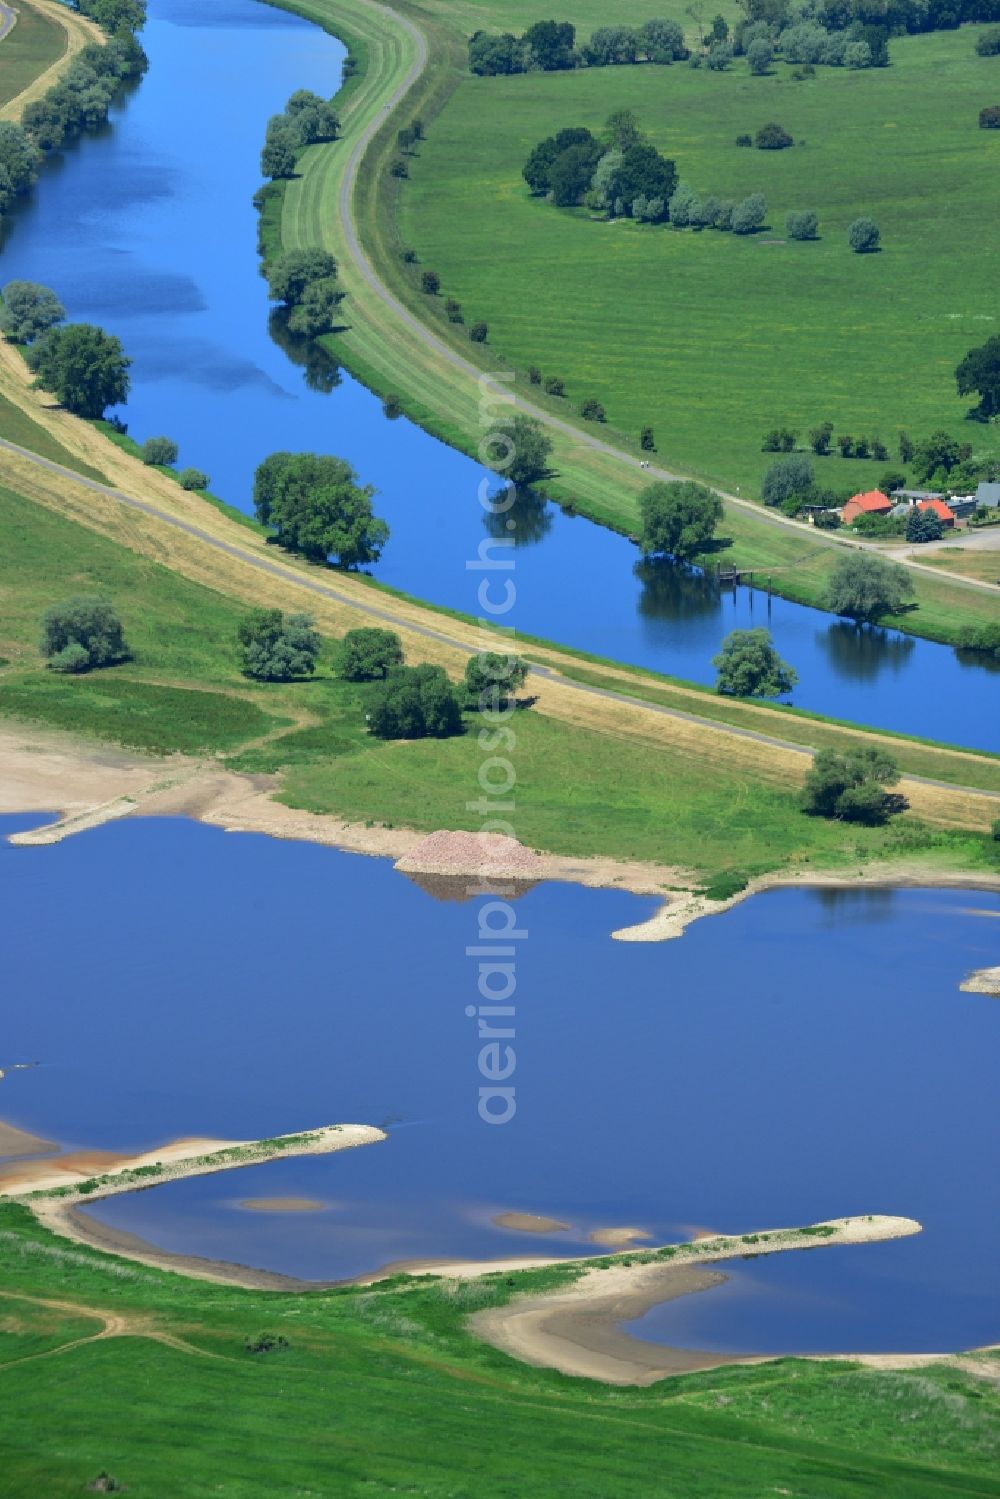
(938, 508)
(873, 500)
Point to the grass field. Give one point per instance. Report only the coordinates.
(383, 1391)
(714, 338)
(17, 426)
(578, 793)
(34, 45)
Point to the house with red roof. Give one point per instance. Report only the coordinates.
(874, 502)
(944, 512)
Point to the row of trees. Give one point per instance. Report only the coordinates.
(82, 98)
(306, 120)
(687, 210)
(550, 46)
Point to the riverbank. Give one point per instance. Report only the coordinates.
(89, 786)
(342, 199)
(47, 38)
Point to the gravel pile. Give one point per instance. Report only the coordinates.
(486, 855)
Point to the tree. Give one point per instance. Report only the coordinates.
(749, 215)
(316, 507)
(368, 654)
(293, 272)
(519, 449)
(537, 168)
(773, 137)
(478, 332)
(316, 312)
(278, 156)
(922, 525)
(430, 282)
(492, 680)
(554, 386)
(647, 440)
(749, 666)
(939, 453)
(414, 702)
(979, 374)
(28, 311)
(570, 173)
(663, 41)
(159, 452)
(760, 56)
(492, 55)
(399, 168)
(988, 43)
(19, 161)
(802, 224)
(82, 633)
(863, 587)
(788, 478)
(820, 437)
(592, 411)
(610, 45)
(720, 56)
(312, 119)
(275, 649)
(678, 519)
(863, 236)
(851, 786)
(905, 448)
(84, 367)
(858, 54)
(193, 478)
(551, 44)
(989, 117)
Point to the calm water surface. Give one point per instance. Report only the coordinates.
(805, 1055)
(149, 230)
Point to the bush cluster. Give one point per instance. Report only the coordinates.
(82, 98)
(305, 283)
(618, 174)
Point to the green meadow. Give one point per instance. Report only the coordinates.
(384, 1391)
(714, 338)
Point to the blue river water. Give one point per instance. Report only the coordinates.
(805, 1055)
(148, 229)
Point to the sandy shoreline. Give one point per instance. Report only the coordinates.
(88, 786)
(17, 1142)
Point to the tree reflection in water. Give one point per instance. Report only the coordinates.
(860, 653)
(672, 591)
(322, 372)
(526, 521)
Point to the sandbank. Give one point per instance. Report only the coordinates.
(17, 1142)
(283, 1205)
(983, 981)
(530, 1223)
(617, 1238)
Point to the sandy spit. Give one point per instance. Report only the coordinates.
(181, 1158)
(617, 1238)
(576, 1329)
(681, 911)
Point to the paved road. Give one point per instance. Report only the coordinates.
(8, 20)
(385, 615)
(445, 352)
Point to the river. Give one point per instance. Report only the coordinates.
(807, 1054)
(148, 229)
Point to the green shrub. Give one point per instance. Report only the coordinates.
(193, 478)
